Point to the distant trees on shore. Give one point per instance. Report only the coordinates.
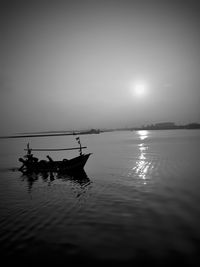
(169, 126)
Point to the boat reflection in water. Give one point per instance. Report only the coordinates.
(78, 178)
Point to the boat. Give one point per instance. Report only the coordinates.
(32, 164)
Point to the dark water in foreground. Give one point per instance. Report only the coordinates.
(139, 204)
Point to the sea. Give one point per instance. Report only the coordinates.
(137, 204)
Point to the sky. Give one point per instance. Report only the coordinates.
(98, 64)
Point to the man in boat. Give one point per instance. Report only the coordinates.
(29, 155)
(29, 159)
(50, 159)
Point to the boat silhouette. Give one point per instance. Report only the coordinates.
(31, 164)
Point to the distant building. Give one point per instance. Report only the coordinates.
(193, 125)
(165, 125)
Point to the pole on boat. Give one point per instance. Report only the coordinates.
(55, 149)
(28, 149)
(79, 142)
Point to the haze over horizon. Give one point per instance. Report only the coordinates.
(98, 64)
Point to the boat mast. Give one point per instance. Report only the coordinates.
(79, 142)
(28, 149)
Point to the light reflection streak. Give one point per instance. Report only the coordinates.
(142, 165)
(143, 134)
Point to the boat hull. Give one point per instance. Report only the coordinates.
(73, 165)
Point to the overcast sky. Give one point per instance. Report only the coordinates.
(75, 64)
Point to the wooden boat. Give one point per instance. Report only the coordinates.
(33, 164)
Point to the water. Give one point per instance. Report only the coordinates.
(138, 205)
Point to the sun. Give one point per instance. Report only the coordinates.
(138, 89)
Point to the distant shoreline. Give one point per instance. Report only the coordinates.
(47, 134)
(164, 126)
(187, 127)
(161, 126)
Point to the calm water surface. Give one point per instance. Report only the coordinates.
(138, 203)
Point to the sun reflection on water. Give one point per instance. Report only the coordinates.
(143, 134)
(142, 164)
